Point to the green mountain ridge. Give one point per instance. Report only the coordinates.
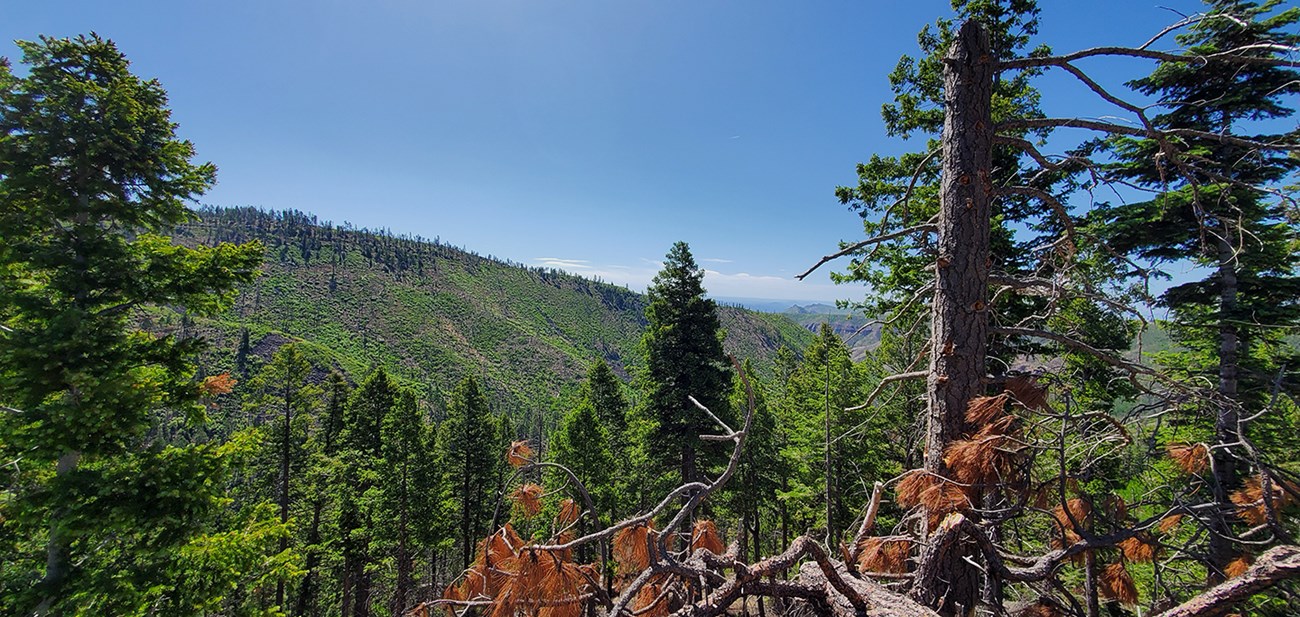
(433, 313)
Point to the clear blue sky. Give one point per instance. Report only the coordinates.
(587, 134)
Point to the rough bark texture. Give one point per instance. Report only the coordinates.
(881, 602)
(960, 322)
(1278, 564)
(1226, 418)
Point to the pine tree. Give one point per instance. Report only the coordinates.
(369, 405)
(604, 393)
(91, 175)
(684, 358)
(409, 489)
(283, 394)
(1226, 217)
(582, 445)
(322, 484)
(762, 468)
(472, 457)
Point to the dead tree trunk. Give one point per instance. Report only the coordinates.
(1226, 418)
(959, 330)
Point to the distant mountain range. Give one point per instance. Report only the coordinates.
(433, 313)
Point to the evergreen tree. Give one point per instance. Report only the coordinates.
(101, 518)
(283, 395)
(754, 489)
(472, 458)
(684, 358)
(604, 393)
(361, 459)
(828, 444)
(583, 446)
(241, 353)
(408, 492)
(1221, 213)
(322, 483)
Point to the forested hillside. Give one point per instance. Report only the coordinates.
(433, 313)
(239, 412)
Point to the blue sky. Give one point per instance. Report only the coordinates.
(588, 135)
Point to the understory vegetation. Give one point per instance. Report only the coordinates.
(227, 411)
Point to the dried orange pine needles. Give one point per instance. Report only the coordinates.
(1117, 584)
(990, 455)
(705, 536)
(521, 579)
(520, 453)
(884, 555)
(1253, 508)
(1192, 459)
(529, 499)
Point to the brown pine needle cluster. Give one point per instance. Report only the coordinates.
(1028, 392)
(567, 515)
(1168, 523)
(1251, 506)
(939, 496)
(1141, 548)
(1080, 510)
(529, 499)
(520, 453)
(217, 385)
(653, 600)
(538, 582)
(1117, 584)
(704, 535)
(884, 555)
(982, 409)
(631, 548)
(523, 580)
(987, 458)
(1237, 566)
(1192, 459)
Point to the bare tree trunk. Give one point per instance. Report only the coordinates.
(1090, 583)
(1225, 421)
(284, 480)
(960, 323)
(307, 592)
(830, 482)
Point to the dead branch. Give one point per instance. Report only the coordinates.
(1230, 55)
(1055, 204)
(883, 382)
(868, 525)
(1120, 129)
(925, 228)
(1276, 565)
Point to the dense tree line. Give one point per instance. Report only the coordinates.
(1090, 481)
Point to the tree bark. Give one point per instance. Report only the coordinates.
(1225, 421)
(284, 477)
(959, 326)
(1278, 564)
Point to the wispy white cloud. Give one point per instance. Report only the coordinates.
(562, 264)
(730, 284)
(716, 260)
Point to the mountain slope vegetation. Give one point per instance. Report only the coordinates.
(435, 313)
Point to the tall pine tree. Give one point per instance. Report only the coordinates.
(1225, 214)
(684, 358)
(91, 175)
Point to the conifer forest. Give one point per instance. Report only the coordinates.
(234, 411)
